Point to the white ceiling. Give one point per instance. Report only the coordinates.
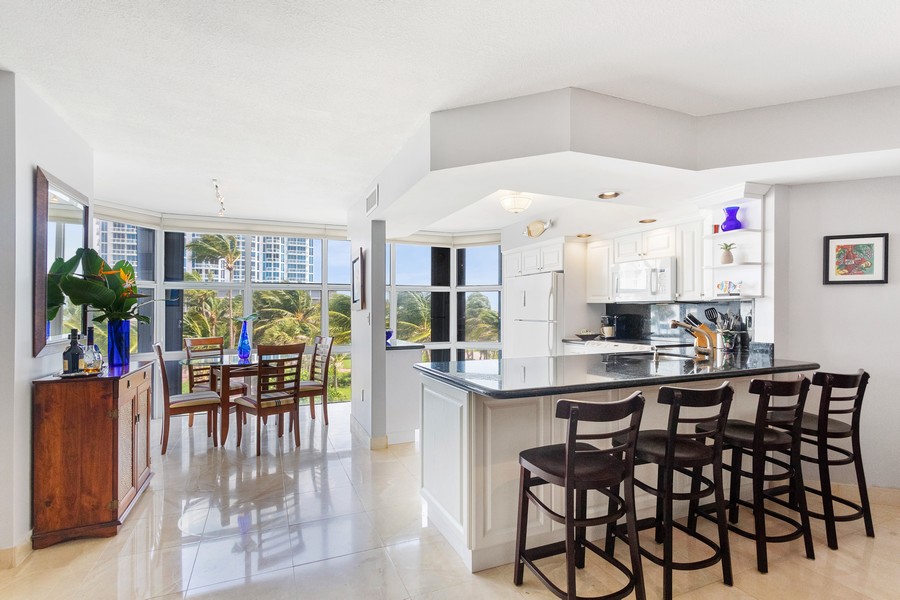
(297, 106)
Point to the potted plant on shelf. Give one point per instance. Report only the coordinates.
(109, 292)
(727, 257)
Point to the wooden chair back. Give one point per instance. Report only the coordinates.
(206, 347)
(838, 406)
(278, 372)
(165, 378)
(696, 425)
(321, 357)
(780, 405)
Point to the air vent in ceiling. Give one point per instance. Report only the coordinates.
(372, 201)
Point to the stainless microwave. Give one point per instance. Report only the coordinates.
(650, 280)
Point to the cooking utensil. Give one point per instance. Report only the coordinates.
(712, 315)
(692, 320)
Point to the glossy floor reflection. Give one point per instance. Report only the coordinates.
(335, 520)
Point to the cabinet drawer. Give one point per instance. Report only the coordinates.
(129, 383)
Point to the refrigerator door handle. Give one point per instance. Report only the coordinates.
(551, 335)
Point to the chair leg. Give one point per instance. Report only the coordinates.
(258, 434)
(165, 434)
(190, 419)
(281, 425)
(521, 526)
(325, 407)
(860, 482)
(208, 422)
(580, 532)
(694, 503)
(240, 426)
(610, 546)
(799, 493)
(215, 427)
(759, 515)
(295, 414)
(660, 501)
(571, 545)
(827, 500)
(668, 483)
(634, 547)
(737, 456)
(312, 407)
(719, 495)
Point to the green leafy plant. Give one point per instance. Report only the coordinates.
(109, 292)
(728, 246)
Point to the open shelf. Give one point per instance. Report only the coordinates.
(728, 234)
(734, 265)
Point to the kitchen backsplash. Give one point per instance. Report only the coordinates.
(652, 320)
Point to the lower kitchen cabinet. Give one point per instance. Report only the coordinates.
(90, 452)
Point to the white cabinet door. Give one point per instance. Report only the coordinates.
(598, 278)
(658, 243)
(552, 258)
(628, 247)
(512, 264)
(689, 267)
(531, 261)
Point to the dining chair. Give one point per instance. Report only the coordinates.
(317, 384)
(200, 376)
(205, 401)
(276, 391)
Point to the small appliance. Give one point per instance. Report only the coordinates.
(650, 280)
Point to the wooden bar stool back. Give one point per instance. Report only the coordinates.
(204, 401)
(842, 396)
(682, 448)
(579, 465)
(779, 412)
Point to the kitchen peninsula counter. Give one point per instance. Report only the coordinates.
(478, 415)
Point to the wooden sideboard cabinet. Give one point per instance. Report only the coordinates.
(90, 452)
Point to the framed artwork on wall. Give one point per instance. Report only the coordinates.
(358, 284)
(861, 258)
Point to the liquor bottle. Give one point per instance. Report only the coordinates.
(93, 360)
(73, 356)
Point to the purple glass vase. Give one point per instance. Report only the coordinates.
(731, 221)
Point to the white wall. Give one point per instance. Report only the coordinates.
(847, 327)
(42, 139)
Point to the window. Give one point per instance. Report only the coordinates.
(287, 316)
(478, 265)
(206, 257)
(277, 259)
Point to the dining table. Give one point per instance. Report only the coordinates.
(224, 368)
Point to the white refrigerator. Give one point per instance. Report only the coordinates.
(532, 323)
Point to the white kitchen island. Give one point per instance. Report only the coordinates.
(478, 415)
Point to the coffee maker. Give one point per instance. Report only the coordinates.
(608, 326)
(629, 327)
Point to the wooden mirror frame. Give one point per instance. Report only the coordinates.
(42, 182)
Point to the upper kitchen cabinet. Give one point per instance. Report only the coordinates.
(540, 258)
(689, 256)
(598, 272)
(740, 274)
(655, 243)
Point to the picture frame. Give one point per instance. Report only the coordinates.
(358, 283)
(858, 258)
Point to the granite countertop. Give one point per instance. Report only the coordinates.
(525, 377)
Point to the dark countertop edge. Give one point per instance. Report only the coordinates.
(405, 346)
(606, 385)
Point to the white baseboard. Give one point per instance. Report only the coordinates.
(11, 558)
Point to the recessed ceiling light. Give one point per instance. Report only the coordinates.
(608, 195)
(647, 221)
(583, 235)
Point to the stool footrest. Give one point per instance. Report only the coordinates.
(530, 555)
(650, 523)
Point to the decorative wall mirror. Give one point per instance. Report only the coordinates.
(60, 228)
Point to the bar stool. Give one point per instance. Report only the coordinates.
(819, 429)
(685, 453)
(579, 466)
(780, 407)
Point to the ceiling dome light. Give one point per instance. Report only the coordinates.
(609, 195)
(515, 203)
(582, 235)
(647, 221)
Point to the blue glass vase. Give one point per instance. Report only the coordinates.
(731, 221)
(118, 336)
(243, 346)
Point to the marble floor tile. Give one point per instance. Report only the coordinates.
(331, 518)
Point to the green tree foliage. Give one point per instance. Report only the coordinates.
(482, 322)
(212, 248)
(414, 316)
(286, 316)
(339, 318)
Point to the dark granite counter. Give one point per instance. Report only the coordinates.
(526, 377)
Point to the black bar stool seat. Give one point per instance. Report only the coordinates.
(578, 466)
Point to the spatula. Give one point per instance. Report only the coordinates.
(712, 315)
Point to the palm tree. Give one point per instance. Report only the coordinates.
(414, 316)
(286, 316)
(482, 322)
(212, 248)
(339, 318)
